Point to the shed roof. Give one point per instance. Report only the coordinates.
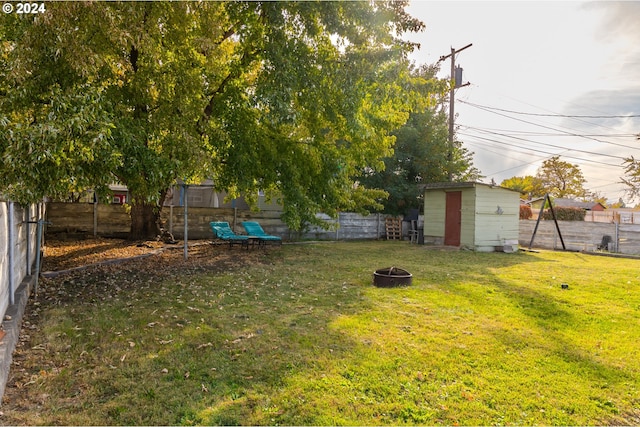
(470, 184)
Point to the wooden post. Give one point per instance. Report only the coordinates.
(171, 218)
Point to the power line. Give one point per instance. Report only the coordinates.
(548, 127)
(531, 133)
(553, 146)
(539, 157)
(572, 116)
(554, 112)
(541, 151)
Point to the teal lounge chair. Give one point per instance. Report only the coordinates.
(254, 229)
(222, 231)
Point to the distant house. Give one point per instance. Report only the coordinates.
(473, 215)
(536, 204)
(570, 203)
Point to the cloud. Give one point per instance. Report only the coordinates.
(618, 29)
(607, 102)
(620, 20)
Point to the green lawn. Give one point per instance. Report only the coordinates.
(299, 336)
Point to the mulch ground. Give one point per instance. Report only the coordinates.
(64, 256)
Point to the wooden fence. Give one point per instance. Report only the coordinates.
(611, 216)
(114, 220)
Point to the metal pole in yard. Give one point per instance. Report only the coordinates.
(95, 215)
(186, 226)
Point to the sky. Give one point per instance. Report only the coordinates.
(545, 78)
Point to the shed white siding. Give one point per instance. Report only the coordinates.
(489, 215)
(497, 217)
(467, 224)
(434, 216)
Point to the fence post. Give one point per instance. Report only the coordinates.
(95, 217)
(235, 217)
(28, 223)
(171, 218)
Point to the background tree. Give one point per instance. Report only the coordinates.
(529, 186)
(294, 98)
(632, 175)
(421, 148)
(561, 179)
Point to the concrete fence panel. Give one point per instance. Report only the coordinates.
(581, 235)
(114, 220)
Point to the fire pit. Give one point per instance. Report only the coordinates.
(391, 277)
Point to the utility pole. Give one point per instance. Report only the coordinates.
(455, 84)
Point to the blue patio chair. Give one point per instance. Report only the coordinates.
(223, 231)
(254, 229)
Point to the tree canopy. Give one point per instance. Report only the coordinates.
(561, 179)
(554, 177)
(293, 98)
(421, 150)
(528, 186)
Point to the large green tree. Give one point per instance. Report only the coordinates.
(561, 179)
(293, 98)
(529, 186)
(422, 149)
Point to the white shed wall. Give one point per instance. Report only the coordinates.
(434, 216)
(497, 217)
(468, 220)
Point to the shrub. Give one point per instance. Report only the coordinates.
(525, 212)
(565, 214)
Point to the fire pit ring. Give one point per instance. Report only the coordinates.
(391, 277)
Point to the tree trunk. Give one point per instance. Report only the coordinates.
(145, 220)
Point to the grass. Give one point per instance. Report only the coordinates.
(299, 336)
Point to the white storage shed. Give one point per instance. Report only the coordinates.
(471, 215)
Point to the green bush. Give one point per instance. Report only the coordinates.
(525, 212)
(565, 214)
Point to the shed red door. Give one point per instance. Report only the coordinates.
(453, 218)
